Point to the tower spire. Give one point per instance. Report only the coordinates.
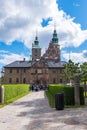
(36, 42)
(36, 50)
(55, 38)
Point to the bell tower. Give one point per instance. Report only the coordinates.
(56, 45)
(55, 38)
(36, 50)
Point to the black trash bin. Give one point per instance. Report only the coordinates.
(59, 101)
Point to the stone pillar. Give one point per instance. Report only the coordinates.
(76, 89)
(1, 94)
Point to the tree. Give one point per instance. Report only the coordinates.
(84, 74)
(70, 69)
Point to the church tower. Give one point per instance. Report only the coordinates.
(56, 45)
(36, 50)
(53, 51)
(55, 38)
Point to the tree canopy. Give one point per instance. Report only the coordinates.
(70, 69)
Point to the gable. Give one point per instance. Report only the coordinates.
(40, 64)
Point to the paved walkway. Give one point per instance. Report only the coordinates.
(32, 112)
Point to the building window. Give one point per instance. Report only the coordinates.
(24, 80)
(39, 71)
(60, 80)
(17, 70)
(54, 71)
(24, 70)
(54, 80)
(10, 70)
(60, 70)
(35, 71)
(17, 80)
(10, 80)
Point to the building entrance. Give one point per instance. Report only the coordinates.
(40, 84)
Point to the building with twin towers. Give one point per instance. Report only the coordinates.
(45, 69)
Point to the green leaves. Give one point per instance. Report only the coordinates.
(84, 71)
(70, 69)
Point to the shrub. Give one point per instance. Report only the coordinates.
(68, 93)
(53, 89)
(14, 90)
(82, 101)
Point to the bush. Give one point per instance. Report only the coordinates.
(68, 94)
(53, 89)
(82, 101)
(14, 90)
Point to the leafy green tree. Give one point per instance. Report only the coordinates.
(83, 68)
(70, 69)
(84, 72)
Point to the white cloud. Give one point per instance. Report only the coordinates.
(3, 51)
(75, 57)
(8, 58)
(20, 19)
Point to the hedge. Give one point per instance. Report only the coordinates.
(68, 93)
(14, 90)
(82, 101)
(53, 89)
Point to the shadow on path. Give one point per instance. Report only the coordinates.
(41, 117)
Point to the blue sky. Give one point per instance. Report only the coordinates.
(20, 20)
(75, 8)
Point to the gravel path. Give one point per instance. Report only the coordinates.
(32, 112)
